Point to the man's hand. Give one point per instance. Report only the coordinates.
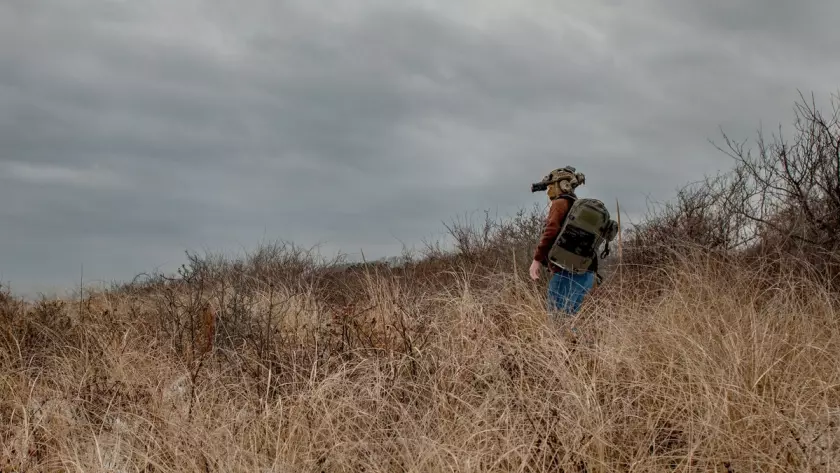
(535, 270)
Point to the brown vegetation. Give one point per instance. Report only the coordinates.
(715, 346)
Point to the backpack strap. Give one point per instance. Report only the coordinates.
(571, 198)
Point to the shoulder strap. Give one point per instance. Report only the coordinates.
(571, 198)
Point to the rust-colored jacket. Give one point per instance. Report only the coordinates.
(556, 214)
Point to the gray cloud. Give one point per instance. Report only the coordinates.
(132, 131)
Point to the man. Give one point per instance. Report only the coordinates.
(566, 290)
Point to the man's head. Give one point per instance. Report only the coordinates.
(559, 182)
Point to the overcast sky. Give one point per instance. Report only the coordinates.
(134, 130)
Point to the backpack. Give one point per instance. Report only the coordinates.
(586, 226)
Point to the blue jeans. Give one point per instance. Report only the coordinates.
(566, 290)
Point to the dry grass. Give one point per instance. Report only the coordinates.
(701, 367)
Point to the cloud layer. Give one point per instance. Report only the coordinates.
(132, 131)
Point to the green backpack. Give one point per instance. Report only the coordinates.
(587, 225)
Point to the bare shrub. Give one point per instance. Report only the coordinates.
(700, 217)
(781, 204)
(791, 187)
